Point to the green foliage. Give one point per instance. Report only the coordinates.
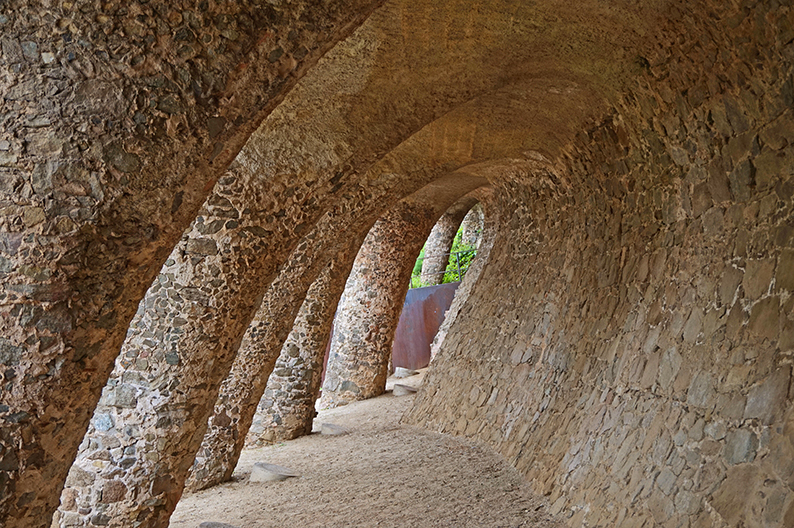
(460, 254)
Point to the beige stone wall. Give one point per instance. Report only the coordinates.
(629, 346)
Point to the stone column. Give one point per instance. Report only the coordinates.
(286, 410)
(439, 243)
(472, 226)
(371, 304)
(243, 387)
(340, 232)
(153, 412)
(108, 146)
(189, 326)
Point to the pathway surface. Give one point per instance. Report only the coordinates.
(381, 473)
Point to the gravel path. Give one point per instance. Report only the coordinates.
(381, 473)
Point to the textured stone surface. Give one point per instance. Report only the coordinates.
(641, 282)
(286, 409)
(115, 124)
(633, 367)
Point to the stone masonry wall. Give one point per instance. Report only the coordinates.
(636, 366)
(486, 213)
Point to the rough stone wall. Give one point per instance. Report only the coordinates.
(439, 243)
(116, 121)
(636, 366)
(139, 108)
(370, 307)
(485, 209)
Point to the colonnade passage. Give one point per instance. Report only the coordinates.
(188, 193)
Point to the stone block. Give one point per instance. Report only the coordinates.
(693, 326)
(103, 422)
(696, 431)
(767, 400)
(701, 390)
(202, 246)
(79, 478)
(687, 503)
(731, 406)
(734, 498)
(666, 481)
(742, 181)
(740, 446)
(669, 367)
(784, 277)
(779, 133)
(713, 222)
(263, 472)
(71, 519)
(757, 277)
(781, 458)
(770, 166)
(764, 318)
(716, 430)
(69, 499)
(661, 507)
(124, 396)
(113, 491)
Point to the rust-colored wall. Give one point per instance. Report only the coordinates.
(422, 315)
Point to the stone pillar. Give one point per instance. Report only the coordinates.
(472, 226)
(108, 146)
(189, 326)
(153, 412)
(340, 233)
(243, 387)
(371, 304)
(286, 410)
(440, 242)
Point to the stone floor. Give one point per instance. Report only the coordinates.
(380, 473)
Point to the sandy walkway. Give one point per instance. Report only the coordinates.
(379, 474)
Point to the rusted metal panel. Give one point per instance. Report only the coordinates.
(422, 315)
